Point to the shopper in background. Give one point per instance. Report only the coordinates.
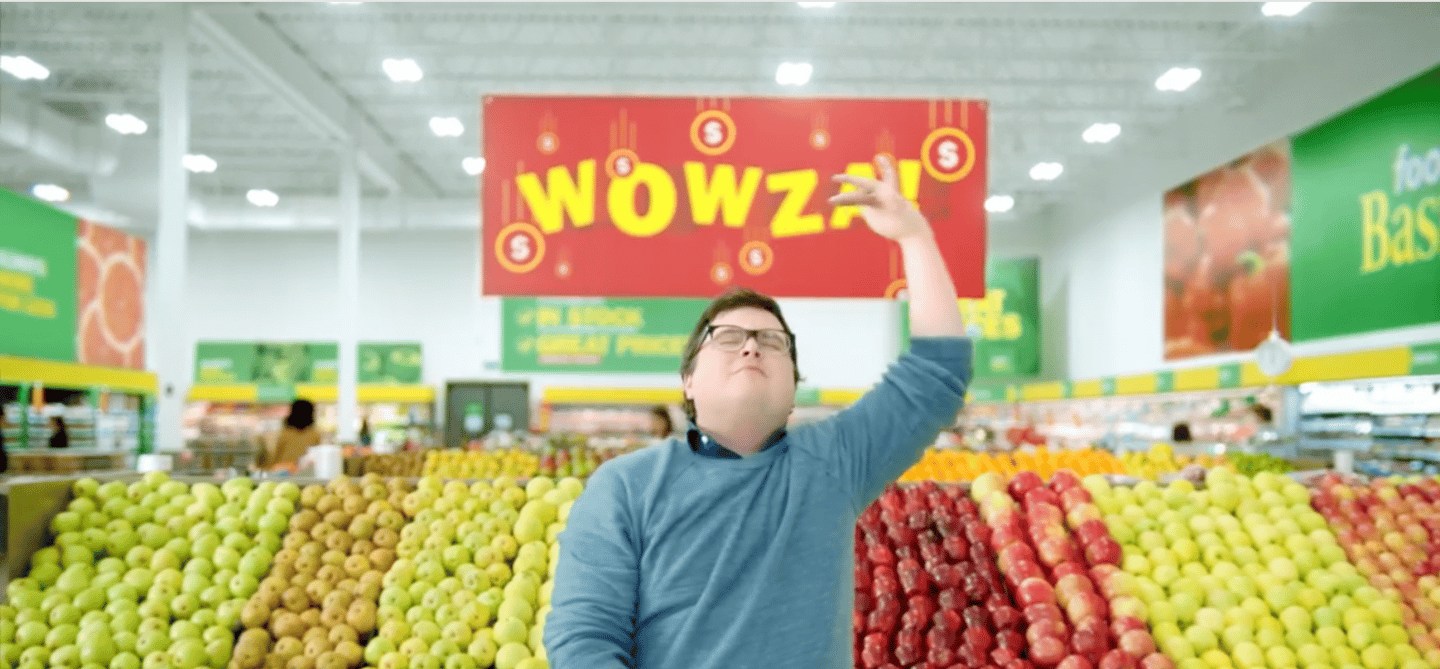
(59, 435)
(661, 426)
(732, 546)
(4, 457)
(1180, 434)
(294, 439)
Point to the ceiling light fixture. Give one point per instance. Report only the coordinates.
(126, 124)
(999, 204)
(1046, 171)
(50, 192)
(815, 5)
(199, 162)
(402, 70)
(1283, 9)
(1178, 79)
(1101, 133)
(262, 198)
(793, 74)
(446, 126)
(473, 165)
(21, 67)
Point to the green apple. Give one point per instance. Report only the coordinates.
(510, 630)
(510, 655)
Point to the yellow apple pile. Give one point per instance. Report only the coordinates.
(486, 464)
(1245, 574)
(472, 582)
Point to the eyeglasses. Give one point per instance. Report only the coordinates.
(732, 338)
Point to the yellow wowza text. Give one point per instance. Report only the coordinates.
(990, 315)
(1397, 236)
(725, 194)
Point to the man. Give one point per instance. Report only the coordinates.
(733, 548)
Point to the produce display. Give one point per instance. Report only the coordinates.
(1391, 532)
(472, 582)
(408, 464)
(1253, 463)
(154, 574)
(1160, 460)
(1246, 574)
(955, 466)
(514, 462)
(1063, 567)
(318, 600)
(927, 588)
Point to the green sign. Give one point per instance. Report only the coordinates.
(266, 363)
(1366, 216)
(1425, 358)
(542, 334)
(1005, 324)
(1164, 382)
(1107, 386)
(980, 394)
(37, 280)
(390, 362)
(807, 396)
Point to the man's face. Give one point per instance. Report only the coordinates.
(756, 380)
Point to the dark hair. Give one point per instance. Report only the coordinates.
(1181, 433)
(735, 298)
(1263, 413)
(302, 414)
(663, 414)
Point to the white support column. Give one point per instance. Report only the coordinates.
(166, 318)
(346, 414)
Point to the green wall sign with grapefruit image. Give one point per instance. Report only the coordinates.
(1005, 324)
(37, 280)
(596, 334)
(266, 363)
(399, 362)
(1366, 228)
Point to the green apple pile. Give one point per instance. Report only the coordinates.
(471, 585)
(1245, 574)
(152, 575)
(317, 605)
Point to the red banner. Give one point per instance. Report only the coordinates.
(685, 197)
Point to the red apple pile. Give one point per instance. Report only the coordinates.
(1067, 589)
(1390, 530)
(928, 592)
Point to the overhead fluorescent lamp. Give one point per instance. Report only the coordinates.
(126, 124)
(1283, 9)
(446, 126)
(402, 70)
(793, 74)
(50, 192)
(1046, 171)
(199, 162)
(1177, 79)
(999, 204)
(21, 67)
(1101, 133)
(262, 198)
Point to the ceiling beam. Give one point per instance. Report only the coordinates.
(260, 49)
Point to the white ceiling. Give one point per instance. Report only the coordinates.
(273, 86)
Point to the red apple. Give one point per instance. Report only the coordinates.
(875, 650)
(1006, 618)
(1038, 497)
(1156, 661)
(1074, 662)
(1090, 637)
(938, 638)
(1022, 570)
(884, 580)
(1136, 643)
(1046, 516)
(1047, 651)
(1002, 654)
(1086, 606)
(977, 637)
(1117, 659)
(1081, 514)
(1122, 624)
(940, 656)
(912, 578)
(1090, 530)
(1046, 627)
(1011, 639)
(1105, 550)
(1013, 553)
(952, 598)
(1055, 550)
(879, 554)
(1034, 591)
(1064, 480)
(1019, 663)
(1023, 482)
(1006, 536)
(1067, 569)
(956, 547)
(1074, 497)
(975, 616)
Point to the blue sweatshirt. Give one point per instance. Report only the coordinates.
(672, 559)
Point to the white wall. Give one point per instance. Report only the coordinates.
(1105, 262)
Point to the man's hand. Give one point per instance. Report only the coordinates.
(886, 211)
